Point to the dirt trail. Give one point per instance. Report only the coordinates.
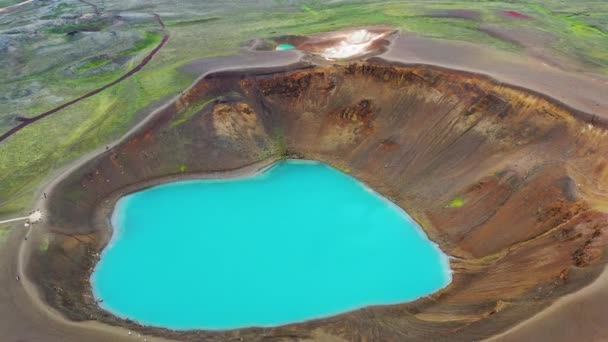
(13, 7)
(28, 121)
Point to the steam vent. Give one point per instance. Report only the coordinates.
(510, 184)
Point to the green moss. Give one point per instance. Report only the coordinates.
(580, 27)
(190, 111)
(343, 168)
(44, 244)
(279, 142)
(456, 203)
(6, 3)
(59, 10)
(150, 39)
(94, 24)
(310, 10)
(582, 33)
(278, 145)
(540, 9)
(28, 156)
(92, 64)
(190, 22)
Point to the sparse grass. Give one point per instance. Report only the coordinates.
(190, 22)
(93, 24)
(343, 168)
(150, 40)
(27, 157)
(278, 146)
(92, 64)
(581, 29)
(279, 143)
(44, 244)
(6, 3)
(61, 9)
(192, 109)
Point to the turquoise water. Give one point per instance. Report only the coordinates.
(299, 241)
(285, 47)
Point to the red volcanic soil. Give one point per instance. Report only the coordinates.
(531, 174)
(515, 14)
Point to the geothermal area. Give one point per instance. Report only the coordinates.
(497, 167)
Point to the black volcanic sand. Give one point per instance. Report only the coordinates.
(531, 171)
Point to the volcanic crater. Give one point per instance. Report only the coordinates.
(510, 183)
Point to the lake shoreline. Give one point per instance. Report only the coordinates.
(314, 248)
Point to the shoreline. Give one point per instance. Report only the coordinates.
(23, 249)
(250, 171)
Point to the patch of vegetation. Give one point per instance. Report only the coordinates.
(456, 203)
(190, 22)
(6, 3)
(279, 142)
(583, 34)
(278, 146)
(73, 26)
(44, 244)
(190, 111)
(150, 39)
(309, 10)
(59, 10)
(582, 28)
(30, 155)
(343, 168)
(92, 64)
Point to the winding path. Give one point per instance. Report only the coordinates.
(28, 121)
(15, 6)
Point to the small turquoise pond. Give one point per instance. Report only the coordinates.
(299, 241)
(284, 47)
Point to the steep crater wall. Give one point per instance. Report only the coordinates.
(512, 184)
